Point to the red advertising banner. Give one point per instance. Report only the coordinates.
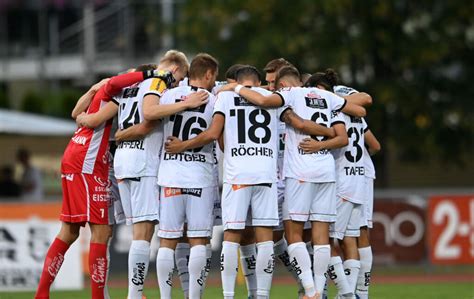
(451, 229)
(398, 235)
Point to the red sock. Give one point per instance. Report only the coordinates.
(98, 268)
(52, 263)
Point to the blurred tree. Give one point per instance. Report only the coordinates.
(414, 57)
(4, 103)
(32, 102)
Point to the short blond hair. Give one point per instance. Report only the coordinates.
(175, 57)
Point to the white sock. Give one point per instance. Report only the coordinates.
(197, 268)
(264, 268)
(229, 267)
(309, 247)
(164, 271)
(248, 260)
(181, 255)
(352, 268)
(337, 275)
(363, 281)
(208, 266)
(300, 261)
(281, 252)
(322, 255)
(138, 259)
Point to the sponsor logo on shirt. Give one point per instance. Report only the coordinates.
(355, 119)
(315, 101)
(79, 140)
(199, 109)
(130, 92)
(68, 176)
(197, 192)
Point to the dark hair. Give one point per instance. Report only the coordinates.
(231, 72)
(146, 67)
(276, 64)
(248, 72)
(328, 79)
(200, 64)
(287, 71)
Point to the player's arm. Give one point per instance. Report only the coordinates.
(152, 110)
(306, 126)
(371, 142)
(174, 145)
(273, 100)
(138, 131)
(359, 98)
(220, 141)
(86, 99)
(94, 120)
(353, 109)
(309, 145)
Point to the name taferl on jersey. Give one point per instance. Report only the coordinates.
(354, 170)
(315, 101)
(251, 151)
(186, 157)
(133, 144)
(240, 101)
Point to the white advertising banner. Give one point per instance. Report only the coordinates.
(23, 246)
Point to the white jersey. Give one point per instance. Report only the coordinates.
(138, 158)
(281, 151)
(250, 151)
(342, 91)
(193, 168)
(317, 105)
(350, 172)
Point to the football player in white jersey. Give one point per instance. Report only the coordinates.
(310, 188)
(136, 165)
(281, 245)
(351, 191)
(187, 181)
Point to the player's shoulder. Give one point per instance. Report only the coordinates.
(262, 91)
(343, 90)
(154, 85)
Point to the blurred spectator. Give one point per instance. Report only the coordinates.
(8, 186)
(31, 181)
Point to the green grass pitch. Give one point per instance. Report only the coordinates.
(381, 291)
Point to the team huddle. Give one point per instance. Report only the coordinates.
(296, 171)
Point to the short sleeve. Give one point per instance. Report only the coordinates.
(287, 102)
(154, 86)
(219, 106)
(337, 103)
(365, 126)
(337, 117)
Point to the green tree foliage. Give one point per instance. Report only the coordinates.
(58, 103)
(414, 57)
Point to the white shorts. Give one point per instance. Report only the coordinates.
(116, 214)
(193, 206)
(140, 199)
(217, 211)
(309, 201)
(368, 207)
(237, 199)
(347, 221)
(281, 197)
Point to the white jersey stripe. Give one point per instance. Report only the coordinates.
(94, 146)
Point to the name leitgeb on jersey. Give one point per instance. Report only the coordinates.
(251, 151)
(186, 157)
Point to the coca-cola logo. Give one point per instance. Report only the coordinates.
(99, 270)
(55, 265)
